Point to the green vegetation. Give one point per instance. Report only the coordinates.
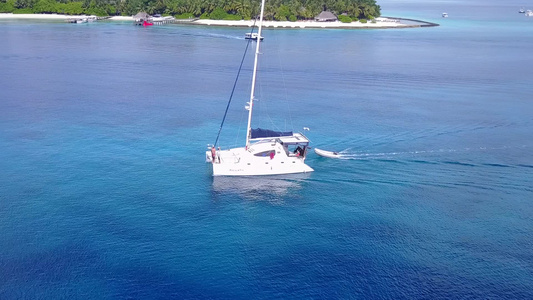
(345, 19)
(7, 7)
(184, 16)
(281, 10)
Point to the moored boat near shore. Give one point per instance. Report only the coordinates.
(252, 36)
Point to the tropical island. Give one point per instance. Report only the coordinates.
(231, 10)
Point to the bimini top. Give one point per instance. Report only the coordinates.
(266, 133)
(286, 139)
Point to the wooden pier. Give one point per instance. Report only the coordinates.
(163, 20)
(85, 19)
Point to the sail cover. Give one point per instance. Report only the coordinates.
(265, 133)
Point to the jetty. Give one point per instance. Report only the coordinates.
(155, 21)
(143, 18)
(85, 19)
(413, 22)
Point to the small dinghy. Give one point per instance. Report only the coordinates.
(325, 153)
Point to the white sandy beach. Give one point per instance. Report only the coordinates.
(380, 22)
(55, 17)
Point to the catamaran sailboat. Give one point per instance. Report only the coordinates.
(266, 152)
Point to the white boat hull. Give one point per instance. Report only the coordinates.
(257, 160)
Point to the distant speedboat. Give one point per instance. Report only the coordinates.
(444, 15)
(529, 13)
(521, 11)
(252, 36)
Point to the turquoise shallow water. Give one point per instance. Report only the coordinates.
(104, 190)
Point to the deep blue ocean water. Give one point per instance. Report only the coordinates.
(104, 192)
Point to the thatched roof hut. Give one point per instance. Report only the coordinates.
(326, 16)
(141, 16)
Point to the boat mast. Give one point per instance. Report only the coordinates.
(251, 103)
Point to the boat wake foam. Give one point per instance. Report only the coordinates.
(349, 154)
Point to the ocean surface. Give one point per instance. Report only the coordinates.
(105, 193)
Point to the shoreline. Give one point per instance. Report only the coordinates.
(380, 23)
(55, 17)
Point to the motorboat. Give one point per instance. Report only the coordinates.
(252, 36)
(325, 153)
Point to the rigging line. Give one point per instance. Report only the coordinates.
(267, 64)
(234, 86)
(287, 102)
(263, 105)
(239, 129)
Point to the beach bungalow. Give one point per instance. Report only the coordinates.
(142, 16)
(326, 16)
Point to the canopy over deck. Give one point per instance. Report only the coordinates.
(287, 138)
(266, 133)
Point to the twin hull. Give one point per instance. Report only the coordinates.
(259, 159)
